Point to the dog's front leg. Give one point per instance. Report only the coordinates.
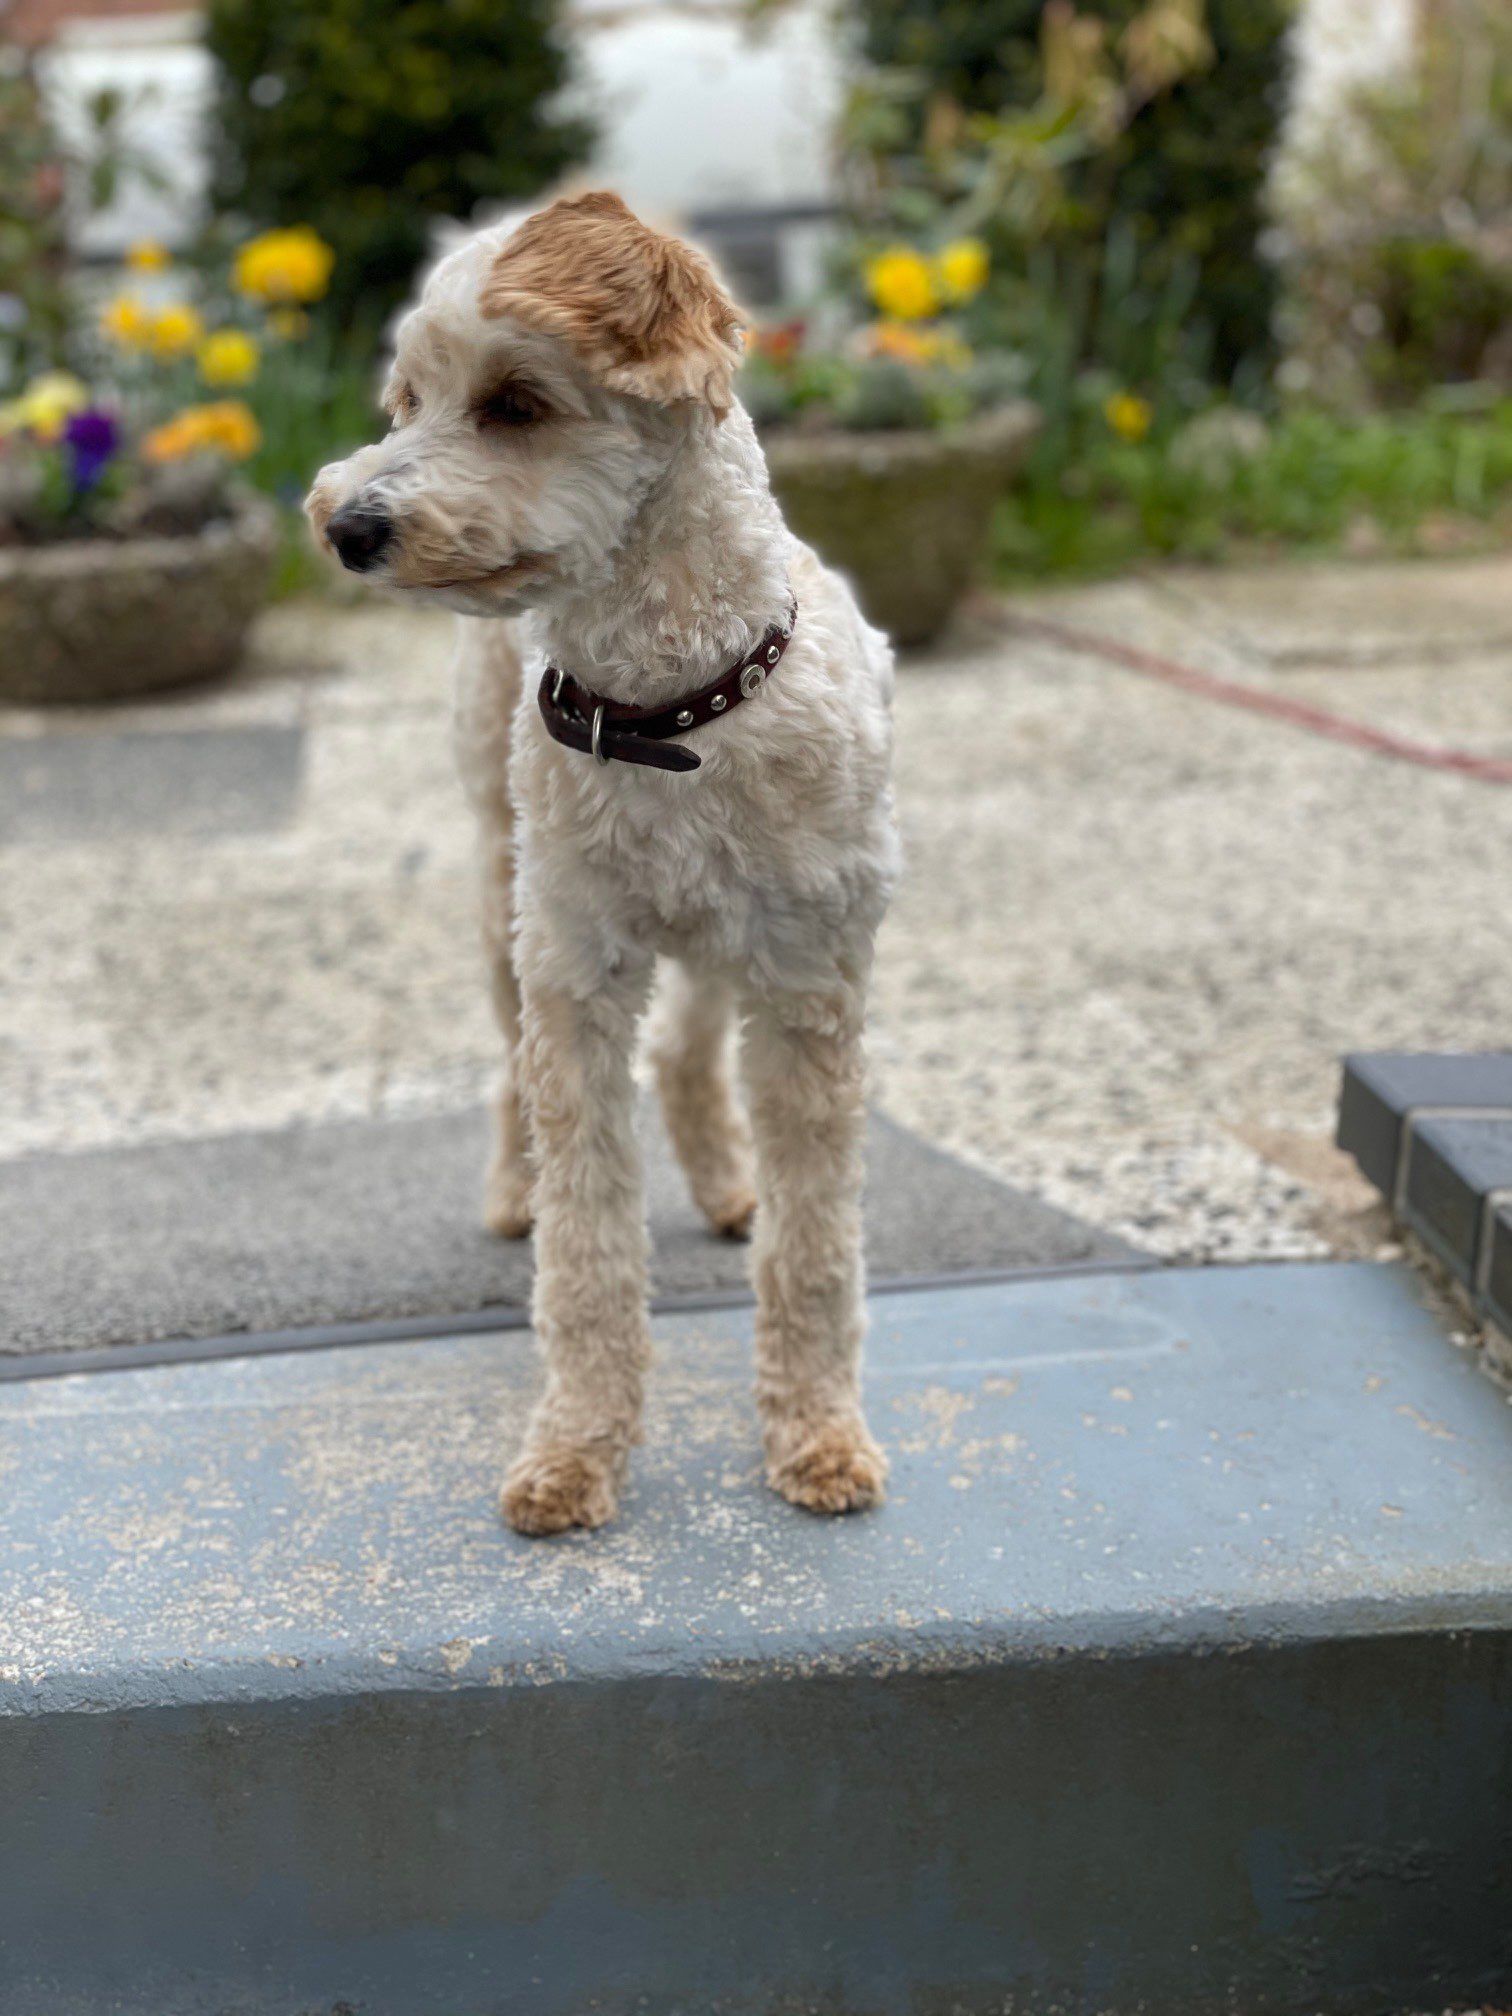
(590, 1250)
(806, 1080)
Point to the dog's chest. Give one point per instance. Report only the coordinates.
(695, 879)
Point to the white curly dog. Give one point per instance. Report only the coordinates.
(566, 446)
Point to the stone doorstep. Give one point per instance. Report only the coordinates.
(1176, 1674)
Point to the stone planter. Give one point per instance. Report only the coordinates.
(102, 619)
(904, 514)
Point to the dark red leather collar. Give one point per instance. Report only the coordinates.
(614, 731)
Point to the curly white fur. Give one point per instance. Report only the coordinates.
(644, 547)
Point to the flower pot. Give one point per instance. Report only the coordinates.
(102, 619)
(905, 515)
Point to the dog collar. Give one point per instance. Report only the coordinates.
(614, 731)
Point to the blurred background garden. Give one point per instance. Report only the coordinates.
(1242, 269)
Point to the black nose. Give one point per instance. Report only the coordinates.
(359, 535)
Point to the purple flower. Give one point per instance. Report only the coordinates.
(92, 436)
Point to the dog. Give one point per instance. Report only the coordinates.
(682, 752)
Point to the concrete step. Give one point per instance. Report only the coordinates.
(1176, 1674)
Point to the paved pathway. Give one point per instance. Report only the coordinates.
(1138, 928)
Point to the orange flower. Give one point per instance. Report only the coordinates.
(780, 343)
(224, 427)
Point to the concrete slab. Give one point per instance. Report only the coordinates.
(205, 783)
(373, 1220)
(1176, 1673)
(1348, 613)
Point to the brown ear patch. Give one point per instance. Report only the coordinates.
(643, 311)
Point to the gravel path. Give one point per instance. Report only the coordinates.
(1137, 932)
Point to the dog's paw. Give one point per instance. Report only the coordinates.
(730, 1214)
(837, 1469)
(552, 1490)
(507, 1211)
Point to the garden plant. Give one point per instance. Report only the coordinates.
(130, 554)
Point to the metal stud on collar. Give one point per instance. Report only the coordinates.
(718, 704)
(750, 680)
(685, 718)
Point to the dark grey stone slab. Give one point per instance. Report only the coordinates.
(1498, 1273)
(196, 783)
(1453, 1165)
(1380, 1088)
(1176, 1675)
(379, 1219)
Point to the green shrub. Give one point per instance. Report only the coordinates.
(1396, 258)
(1183, 180)
(1228, 485)
(369, 118)
(33, 270)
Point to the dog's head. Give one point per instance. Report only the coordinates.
(538, 389)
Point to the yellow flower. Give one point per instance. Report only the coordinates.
(125, 321)
(147, 256)
(285, 267)
(224, 427)
(45, 405)
(902, 285)
(229, 357)
(962, 268)
(174, 331)
(1128, 415)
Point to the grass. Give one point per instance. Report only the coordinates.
(1424, 481)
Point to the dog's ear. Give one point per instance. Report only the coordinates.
(643, 311)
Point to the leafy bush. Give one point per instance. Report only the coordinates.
(1180, 176)
(1397, 256)
(33, 282)
(369, 118)
(1226, 483)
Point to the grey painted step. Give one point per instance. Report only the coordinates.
(1176, 1674)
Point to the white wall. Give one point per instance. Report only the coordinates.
(157, 61)
(701, 112)
(1338, 46)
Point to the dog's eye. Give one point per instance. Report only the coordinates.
(406, 405)
(511, 406)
